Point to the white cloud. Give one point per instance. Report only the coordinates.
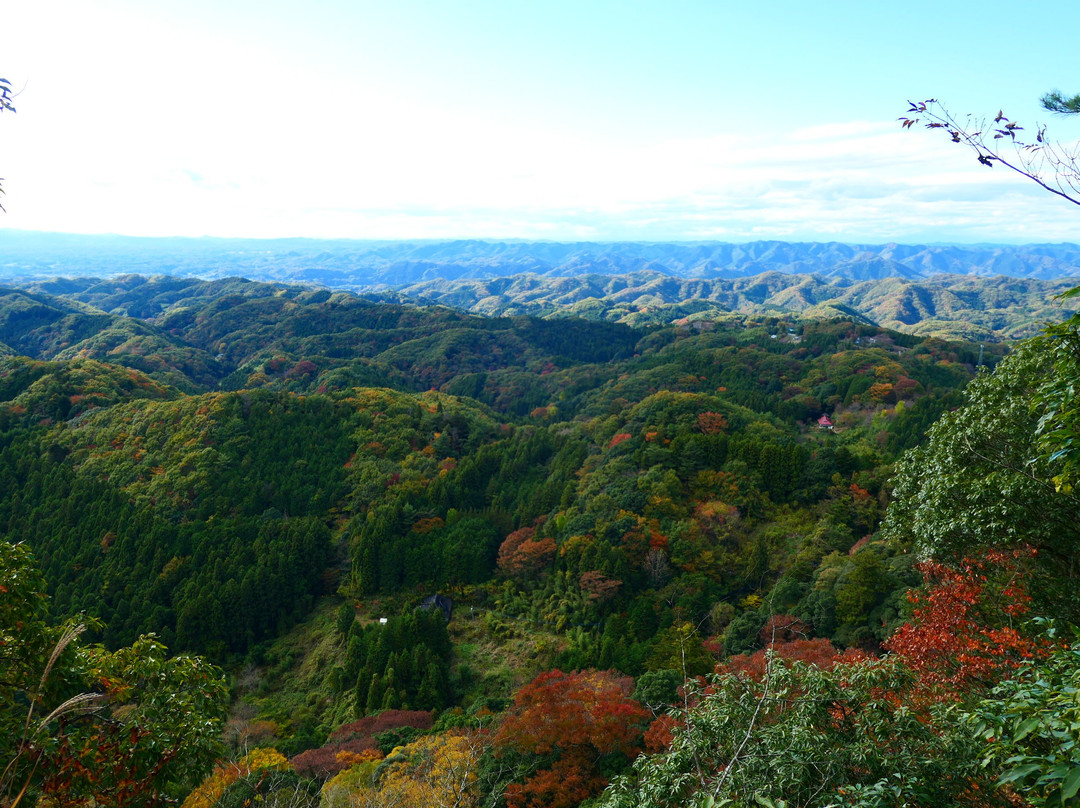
(383, 168)
(136, 121)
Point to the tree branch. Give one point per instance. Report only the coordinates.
(1032, 157)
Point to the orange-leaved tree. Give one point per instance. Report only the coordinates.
(569, 732)
(965, 633)
(522, 555)
(789, 638)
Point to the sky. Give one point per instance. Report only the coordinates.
(566, 121)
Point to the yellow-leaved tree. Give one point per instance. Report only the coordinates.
(440, 771)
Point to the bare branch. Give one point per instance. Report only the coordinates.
(1053, 166)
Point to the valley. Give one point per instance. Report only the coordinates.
(277, 477)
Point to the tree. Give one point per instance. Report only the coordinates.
(521, 555)
(439, 770)
(1053, 166)
(806, 736)
(563, 726)
(94, 727)
(787, 637)
(963, 636)
(981, 482)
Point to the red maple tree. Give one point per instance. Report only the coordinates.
(576, 718)
(789, 638)
(963, 633)
(521, 554)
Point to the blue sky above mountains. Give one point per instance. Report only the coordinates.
(561, 120)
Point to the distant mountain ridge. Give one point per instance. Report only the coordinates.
(365, 265)
(953, 306)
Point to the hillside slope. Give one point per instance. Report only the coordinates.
(951, 306)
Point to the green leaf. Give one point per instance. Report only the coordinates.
(1071, 784)
(1019, 773)
(1026, 728)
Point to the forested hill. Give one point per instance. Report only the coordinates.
(280, 478)
(198, 336)
(951, 306)
(970, 292)
(125, 451)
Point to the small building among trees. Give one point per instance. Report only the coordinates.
(440, 602)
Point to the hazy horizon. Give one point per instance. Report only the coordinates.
(5, 231)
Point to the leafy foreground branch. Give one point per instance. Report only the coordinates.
(845, 736)
(1030, 723)
(82, 726)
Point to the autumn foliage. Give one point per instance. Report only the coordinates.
(368, 727)
(712, 423)
(350, 743)
(211, 790)
(816, 651)
(789, 638)
(962, 633)
(659, 735)
(569, 782)
(573, 720)
(434, 771)
(521, 554)
(597, 586)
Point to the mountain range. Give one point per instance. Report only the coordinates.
(951, 306)
(972, 292)
(381, 264)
